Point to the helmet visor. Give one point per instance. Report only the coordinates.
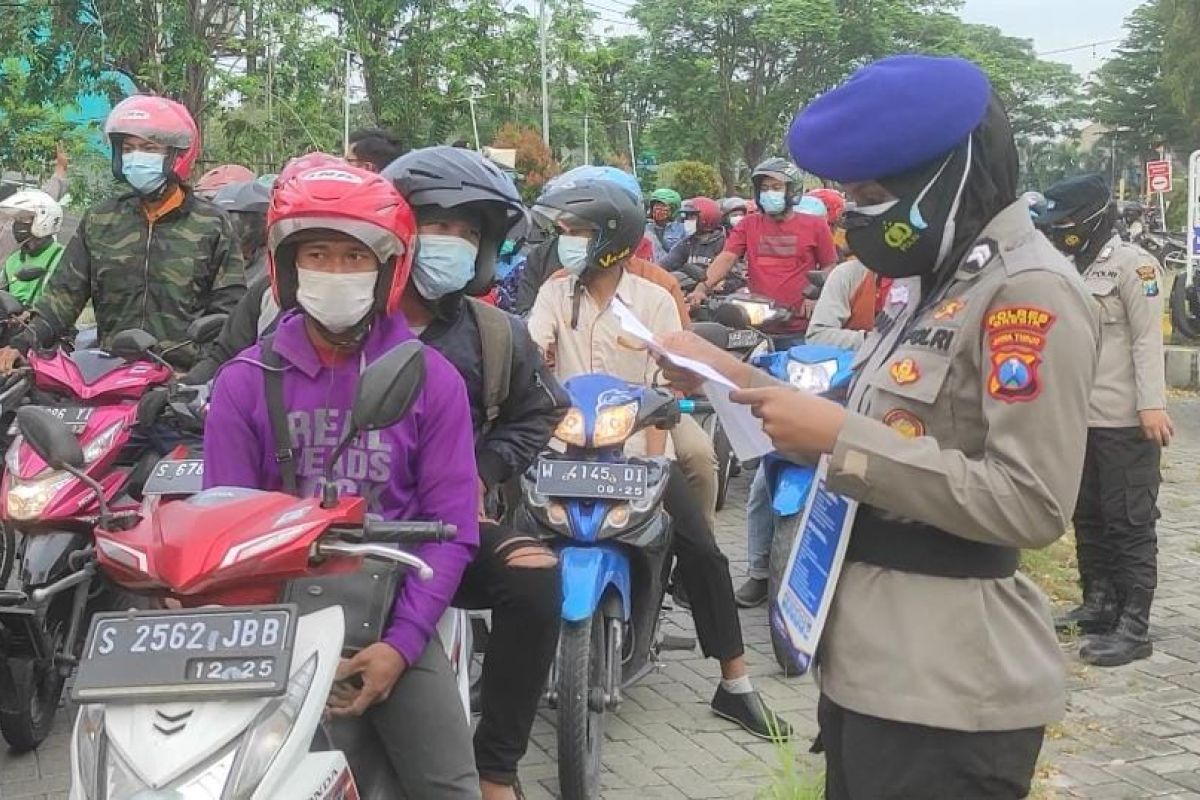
(550, 218)
(380, 241)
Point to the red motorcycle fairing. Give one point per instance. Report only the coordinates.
(224, 546)
(92, 375)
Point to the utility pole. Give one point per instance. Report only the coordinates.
(545, 78)
(632, 154)
(474, 123)
(346, 108)
(587, 157)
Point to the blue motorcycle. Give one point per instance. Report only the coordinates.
(819, 369)
(603, 514)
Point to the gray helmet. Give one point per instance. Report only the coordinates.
(780, 169)
(729, 205)
(450, 177)
(601, 206)
(247, 197)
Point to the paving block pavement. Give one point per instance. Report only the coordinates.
(1132, 732)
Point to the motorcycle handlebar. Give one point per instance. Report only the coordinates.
(408, 532)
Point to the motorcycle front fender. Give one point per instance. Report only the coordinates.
(587, 572)
(789, 484)
(47, 556)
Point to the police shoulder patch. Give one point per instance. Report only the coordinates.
(1014, 376)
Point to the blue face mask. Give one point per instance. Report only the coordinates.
(772, 202)
(445, 264)
(143, 171)
(573, 253)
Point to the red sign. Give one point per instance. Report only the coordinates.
(1158, 176)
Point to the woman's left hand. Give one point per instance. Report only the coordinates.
(801, 425)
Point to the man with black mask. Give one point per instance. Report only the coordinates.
(1127, 425)
(962, 440)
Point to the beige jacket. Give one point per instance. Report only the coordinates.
(971, 418)
(1127, 283)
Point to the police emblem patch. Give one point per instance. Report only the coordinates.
(1014, 377)
(905, 371)
(906, 423)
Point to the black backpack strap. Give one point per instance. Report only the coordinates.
(285, 455)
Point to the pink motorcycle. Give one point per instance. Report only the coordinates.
(112, 402)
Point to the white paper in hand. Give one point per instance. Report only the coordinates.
(744, 430)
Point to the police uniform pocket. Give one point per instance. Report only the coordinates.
(1104, 290)
(913, 374)
(1141, 496)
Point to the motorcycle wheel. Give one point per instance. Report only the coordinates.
(27, 716)
(580, 707)
(1184, 319)
(8, 553)
(781, 548)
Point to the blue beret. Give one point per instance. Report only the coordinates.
(891, 116)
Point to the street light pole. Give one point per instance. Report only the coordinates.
(632, 154)
(474, 123)
(346, 109)
(545, 79)
(587, 158)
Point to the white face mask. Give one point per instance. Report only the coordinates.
(734, 219)
(573, 253)
(339, 301)
(689, 225)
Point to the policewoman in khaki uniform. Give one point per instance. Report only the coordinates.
(1127, 425)
(963, 441)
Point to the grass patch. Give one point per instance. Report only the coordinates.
(1054, 569)
(790, 778)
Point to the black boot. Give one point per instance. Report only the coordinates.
(1097, 614)
(1130, 640)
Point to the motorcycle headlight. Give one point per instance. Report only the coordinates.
(757, 313)
(271, 731)
(12, 459)
(98, 446)
(89, 738)
(572, 430)
(27, 499)
(814, 378)
(614, 424)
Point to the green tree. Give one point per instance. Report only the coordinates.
(690, 179)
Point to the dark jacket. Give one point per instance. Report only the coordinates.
(536, 401)
(541, 261)
(156, 276)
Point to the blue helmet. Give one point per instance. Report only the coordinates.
(588, 173)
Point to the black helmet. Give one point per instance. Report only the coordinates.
(780, 169)
(449, 177)
(601, 206)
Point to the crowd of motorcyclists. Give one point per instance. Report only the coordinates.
(322, 268)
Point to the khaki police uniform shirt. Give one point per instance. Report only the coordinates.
(597, 342)
(972, 419)
(1126, 281)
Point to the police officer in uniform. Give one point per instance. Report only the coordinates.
(964, 435)
(1127, 425)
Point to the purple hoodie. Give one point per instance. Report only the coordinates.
(423, 467)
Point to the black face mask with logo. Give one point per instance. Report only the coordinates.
(911, 235)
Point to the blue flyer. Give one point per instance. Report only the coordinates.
(810, 579)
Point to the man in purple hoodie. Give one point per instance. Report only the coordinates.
(340, 243)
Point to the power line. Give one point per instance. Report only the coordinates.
(1077, 47)
(598, 6)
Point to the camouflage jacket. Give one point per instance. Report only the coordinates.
(156, 276)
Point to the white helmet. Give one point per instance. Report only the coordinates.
(42, 210)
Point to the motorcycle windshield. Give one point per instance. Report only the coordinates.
(95, 364)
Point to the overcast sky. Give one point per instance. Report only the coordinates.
(1055, 24)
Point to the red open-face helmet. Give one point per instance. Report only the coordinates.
(706, 211)
(158, 120)
(834, 202)
(332, 195)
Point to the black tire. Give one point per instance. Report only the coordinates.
(1184, 320)
(725, 464)
(580, 727)
(27, 716)
(8, 553)
(781, 548)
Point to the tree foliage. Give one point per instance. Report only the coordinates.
(690, 179)
(535, 163)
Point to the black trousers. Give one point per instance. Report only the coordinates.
(526, 605)
(1117, 507)
(868, 758)
(704, 572)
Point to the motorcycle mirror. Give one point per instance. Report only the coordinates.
(205, 329)
(152, 405)
(132, 344)
(50, 438)
(9, 305)
(30, 273)
(389, 387)
(386, 392)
